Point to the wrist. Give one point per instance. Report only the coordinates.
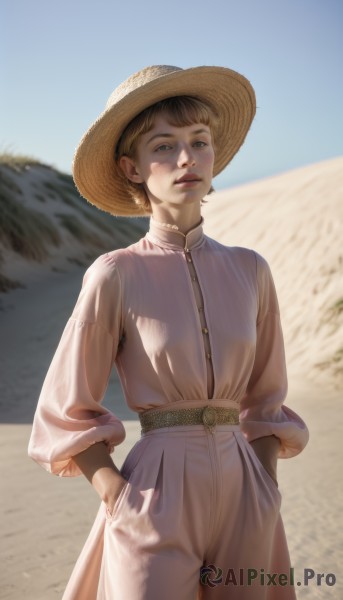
(108, 483)
(111, 493)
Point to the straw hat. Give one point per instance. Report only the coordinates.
(96, 174)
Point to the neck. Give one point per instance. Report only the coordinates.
(180, 220)
(165, 236)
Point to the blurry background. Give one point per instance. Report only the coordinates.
(61, 60)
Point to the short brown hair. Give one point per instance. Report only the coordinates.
(181, 111)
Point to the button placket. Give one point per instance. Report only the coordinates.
(202, 318)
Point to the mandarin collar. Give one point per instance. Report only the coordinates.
(167, 237)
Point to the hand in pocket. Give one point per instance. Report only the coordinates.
(114, 496)
(266, 450)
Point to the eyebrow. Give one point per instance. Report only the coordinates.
(170, 135)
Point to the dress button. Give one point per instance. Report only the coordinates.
(187, 250)
(194, 278)
(209, 356)
(205, 330)
(189, 259)
(200, 308)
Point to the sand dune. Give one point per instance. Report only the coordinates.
(295, 220)
(47, 227)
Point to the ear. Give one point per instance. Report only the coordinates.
(128, 166)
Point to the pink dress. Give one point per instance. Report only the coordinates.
(187, 322)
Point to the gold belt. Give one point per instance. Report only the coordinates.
(209, 416)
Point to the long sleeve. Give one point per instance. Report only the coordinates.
(69, 416)
(262, 410)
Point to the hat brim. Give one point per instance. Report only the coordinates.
(95, 171)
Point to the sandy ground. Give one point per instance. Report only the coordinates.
(45, 519)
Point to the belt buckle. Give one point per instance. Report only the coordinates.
(209, 417)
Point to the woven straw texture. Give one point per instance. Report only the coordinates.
(96, 174)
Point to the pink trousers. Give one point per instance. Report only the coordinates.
(199, 519)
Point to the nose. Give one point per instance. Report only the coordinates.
(186, 156)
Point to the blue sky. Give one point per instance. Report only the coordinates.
(63, 59)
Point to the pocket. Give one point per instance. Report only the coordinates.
(110, 515)
(130, 463)
(264, 473)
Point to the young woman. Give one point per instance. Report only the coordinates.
(193, 329)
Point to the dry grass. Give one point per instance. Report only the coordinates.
(26, 231)
(334, 363)
(7, 284)
(7, 183)
(30, 230)
(19, 162)
(98, 219)
(334, 366)
(79, 231)
(76, 261)
(40, 197)
(62, 187)
(338, 307)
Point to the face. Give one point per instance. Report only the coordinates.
(175, 164)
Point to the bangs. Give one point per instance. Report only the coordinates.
(180, 111)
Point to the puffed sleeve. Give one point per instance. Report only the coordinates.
(262, 410)
(69, 415)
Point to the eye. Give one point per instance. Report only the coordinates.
(162, 148)
(200, 144)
